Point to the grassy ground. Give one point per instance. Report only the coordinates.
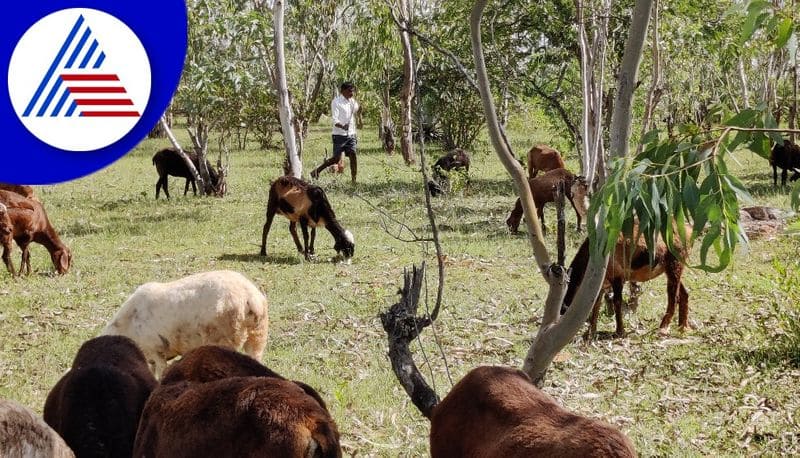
(722, 390)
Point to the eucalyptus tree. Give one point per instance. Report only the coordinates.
(403, 12)
(217, 78)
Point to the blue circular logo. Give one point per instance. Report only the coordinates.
(85, 83)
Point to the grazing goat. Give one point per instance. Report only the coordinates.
(210, 362)
(498, 412)
(169, 319)
(786, 157)
(24, 435)
(306, 203)
(190, 414)
(97, 404)
(631, 262)
(543, 189)
(6, 236)
(21, 189)
(544, 158)
(169, 162)
(30, 223)
(457, 159)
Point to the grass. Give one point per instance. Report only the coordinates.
(720, 390)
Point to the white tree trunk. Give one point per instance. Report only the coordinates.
(284, 107)
(593, 59)
(197, 178)
(406, 137)
(620, 129)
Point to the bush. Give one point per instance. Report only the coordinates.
(786, 310)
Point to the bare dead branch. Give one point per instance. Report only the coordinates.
(402, 326)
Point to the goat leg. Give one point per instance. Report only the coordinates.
(304, 228)
(293, 231)
(7, 260)
(616, 287)
(311, 243)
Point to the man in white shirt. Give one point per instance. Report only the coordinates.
(343, 112)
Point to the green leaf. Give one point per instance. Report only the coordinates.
(744, 118)
(783, 32)
(796, 196)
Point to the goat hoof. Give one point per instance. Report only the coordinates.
(663, 332)
(620, 334)
(263, 253)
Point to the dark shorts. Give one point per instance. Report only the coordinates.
(343, 144)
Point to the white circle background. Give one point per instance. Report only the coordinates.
(33, 56)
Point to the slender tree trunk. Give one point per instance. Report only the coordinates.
(386, 129)
(181, 153)
(743, 82)
(406, 138)
(793, 110)
(620, 129)
(654, 94)
(284, 107)
(554, 332)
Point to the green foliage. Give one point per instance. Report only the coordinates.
(775, 21)
(786, 310)
(679, 181)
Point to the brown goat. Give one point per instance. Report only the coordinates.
(307, 204)
(498, 412)
(31, 225)
(21, 189)
(192, 413)
(544, 158)
(23, 434)
(6, 236)
(631, 262)
(543, 189)
(97, 404)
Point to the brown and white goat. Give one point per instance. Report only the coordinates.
(21, 189)
(97, 404)
(543, 189)
(544, 158)
(191, 413)
(30, 223)
(23, 434)
(498, 412)
(169, 162)
(307, 204)
(631, 262)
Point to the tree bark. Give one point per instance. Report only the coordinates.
(654, 93)
(406, 138)
(281, 87)
(555, 331)
(181, 153)
(620, 128)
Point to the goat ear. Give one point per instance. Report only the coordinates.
(65, 260)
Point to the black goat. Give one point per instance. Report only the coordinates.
(169, 162)
(457, 159)
(306, 203)
(785, 156)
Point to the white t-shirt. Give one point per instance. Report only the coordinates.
(343, 112)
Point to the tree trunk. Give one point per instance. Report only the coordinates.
(406, 138)
(386, 129)
(281, 87)
(654, 93)
(620, 128)
(199, 138)
(593, 57)
(189, 164)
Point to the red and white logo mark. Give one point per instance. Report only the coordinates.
(85, 89)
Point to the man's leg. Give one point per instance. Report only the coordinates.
(328, 162)
(353, 165)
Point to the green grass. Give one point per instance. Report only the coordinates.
(719, 390)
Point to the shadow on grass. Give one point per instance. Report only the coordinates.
(777, 355)
(255, 257)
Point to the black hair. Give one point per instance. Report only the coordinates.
(347, 85)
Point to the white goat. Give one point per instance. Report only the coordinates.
(210, 308)
(23, 434)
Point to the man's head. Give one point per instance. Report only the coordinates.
(347, 89)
